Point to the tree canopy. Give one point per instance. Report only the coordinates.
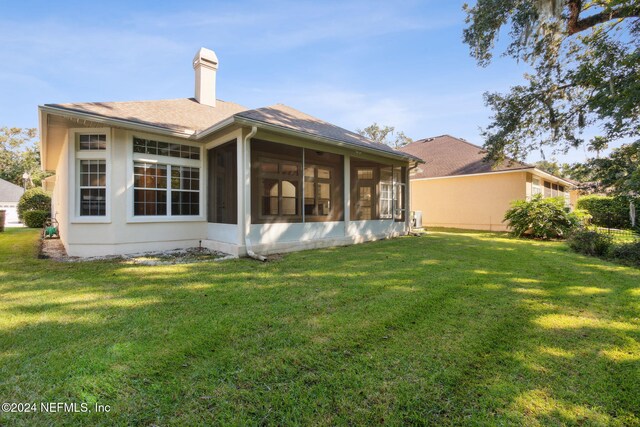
(19, 153)
(385, 135)
(585, 72)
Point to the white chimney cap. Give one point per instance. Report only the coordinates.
(206, 57)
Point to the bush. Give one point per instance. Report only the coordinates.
(628, 252)
(36, 218)
(607, 211)
(541, 218)
(35, 199)
(590, 242)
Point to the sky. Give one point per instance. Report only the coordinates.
(349, 62)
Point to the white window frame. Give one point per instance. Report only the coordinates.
(75, 157)
(402, 187)
(168, 161)
(536, 188)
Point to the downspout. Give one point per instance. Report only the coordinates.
(247, 196)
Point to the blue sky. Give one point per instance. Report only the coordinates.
(352, 63)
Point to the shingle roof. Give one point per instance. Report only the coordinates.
(181, 115)
(188, 116)
(289, 118)
(446, 155)
(9, 192)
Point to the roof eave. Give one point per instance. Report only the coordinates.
(129, 124)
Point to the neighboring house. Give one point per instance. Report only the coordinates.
(9, 197)
(155, 175)
(457, 188)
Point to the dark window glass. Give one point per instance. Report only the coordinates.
(93, 183)
(149, 146)
(92, 142)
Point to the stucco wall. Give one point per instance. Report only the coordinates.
(472, 202)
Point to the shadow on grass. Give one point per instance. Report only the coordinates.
(449, 329)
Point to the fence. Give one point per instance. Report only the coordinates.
(630, 235)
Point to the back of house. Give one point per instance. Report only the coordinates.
(155, 175)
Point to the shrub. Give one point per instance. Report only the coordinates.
(35, 199)
(628, 252)
(607, 211)
(590, 242)
(35, 218)
(541, 218)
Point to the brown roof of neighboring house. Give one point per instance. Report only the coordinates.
(187, 116)
(446, 155)
(9, 192)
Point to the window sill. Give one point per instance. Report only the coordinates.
(164, 219)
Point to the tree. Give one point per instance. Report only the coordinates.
(19, 153)
(385, 135)
(618, 173)
(585, 66)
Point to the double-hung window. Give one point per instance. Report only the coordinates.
(535, 186)
(91, 153)
(166, 179)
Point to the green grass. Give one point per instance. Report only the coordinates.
(450, 328)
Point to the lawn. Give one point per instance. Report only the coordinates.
(449, 328)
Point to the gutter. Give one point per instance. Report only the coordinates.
(247, 178)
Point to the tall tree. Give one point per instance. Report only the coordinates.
(618, 173)
(19, 153)
(585, 72)
(385, 135)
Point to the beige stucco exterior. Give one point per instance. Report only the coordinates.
(120, 232)
(476, 202)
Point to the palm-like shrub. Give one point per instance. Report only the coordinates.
(543, 218)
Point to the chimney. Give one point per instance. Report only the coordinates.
(206, 64)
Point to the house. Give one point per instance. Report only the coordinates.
(9, 197)
(457, 188)
(157, 175)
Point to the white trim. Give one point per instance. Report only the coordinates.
(132, 157)
(75, 156)
(531, 170)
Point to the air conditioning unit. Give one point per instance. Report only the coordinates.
(416, 219)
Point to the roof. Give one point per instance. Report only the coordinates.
(188, 117)
(9, 192)
(184, 115)
(283, 116)
(446, 155)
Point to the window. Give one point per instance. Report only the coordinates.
(547, 189)
(317, 190)
(535, 186)
(279, 190)
(149, 146)
(150, 189)
(364, 185)
(554, 190)
(88, 142)
(93, 187)
(378, 191)
(91, 173)
(291, 184)
(185, 190)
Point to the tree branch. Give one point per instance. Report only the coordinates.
(576, 25)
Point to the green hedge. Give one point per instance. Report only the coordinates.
(606, 211)
(34, 199)
(36, 218)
